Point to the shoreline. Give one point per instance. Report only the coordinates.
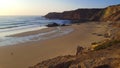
(37, 35)
(19, 30)
(28, 54)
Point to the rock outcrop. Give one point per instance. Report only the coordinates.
(111, 13)
(56, 25)
(53, 25)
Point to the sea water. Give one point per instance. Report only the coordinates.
(10, 25)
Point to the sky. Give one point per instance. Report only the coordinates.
(42, 7)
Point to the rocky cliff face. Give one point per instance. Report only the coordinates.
(79, 14)
(111, 13)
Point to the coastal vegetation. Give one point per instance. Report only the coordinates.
(106, 44)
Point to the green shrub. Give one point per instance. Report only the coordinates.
(106, 44)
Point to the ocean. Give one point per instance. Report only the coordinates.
(10, 25)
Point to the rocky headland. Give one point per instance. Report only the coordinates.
(111, 13)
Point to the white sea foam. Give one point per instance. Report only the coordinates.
(40, 36)
(17, 30)
(11, 25)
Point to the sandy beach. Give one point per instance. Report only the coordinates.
(27, 54)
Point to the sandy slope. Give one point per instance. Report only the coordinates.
(31, 53)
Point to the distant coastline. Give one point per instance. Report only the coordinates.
(110, 13)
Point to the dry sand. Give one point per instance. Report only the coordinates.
(30, 53)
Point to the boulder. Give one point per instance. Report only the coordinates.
(79, 50)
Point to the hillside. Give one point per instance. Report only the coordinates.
(106, 58)
(111, 13)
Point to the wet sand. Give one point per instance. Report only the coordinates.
(27, 54)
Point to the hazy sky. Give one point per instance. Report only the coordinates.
(42, 7)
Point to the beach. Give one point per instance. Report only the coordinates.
(28, 54)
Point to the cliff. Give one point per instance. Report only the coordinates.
(111, 13)
(79, 14)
